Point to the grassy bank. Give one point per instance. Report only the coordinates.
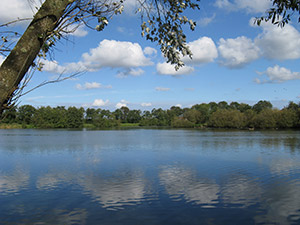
(10, 126)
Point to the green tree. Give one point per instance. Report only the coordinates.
(60, 117)
(161, 116)
(90, 114)
(25, 114)
(250, 115)
(262, 105)
(43, 117)
(194, 116)
(212, 107)
(75, 117)
(227, 118)
(287, 118)
(266, 119)
(223, 105)
(180, 122)
(134, 116)
(9, 115)
(205, 110)
(244, 107)
(162, 22)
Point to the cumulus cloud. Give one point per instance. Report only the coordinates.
(204, 51)
(206, 20)
(250, 6)
(146, 104)
(182, 184)
(150, 51)
(114, 54)
(54, 67)
(169, 69)
(127, 56)
(279, 43)
(238, 52)
(162, 89)
(15, 9)
(278, 74)
(130, 72)
(92, 85)
(100, 103)
(122, 103)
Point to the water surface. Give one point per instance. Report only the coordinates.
(149, 177)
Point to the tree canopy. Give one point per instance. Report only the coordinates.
(213, 115)
(162, 22)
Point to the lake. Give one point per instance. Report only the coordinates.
(148, 176)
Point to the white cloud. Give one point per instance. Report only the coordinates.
(11, 10)
(52, 66)
(223, 4)
(130, 72)
(146, 104)
(250, 6)
(162, 89)
(92, 85)
(179, 105)
(111, 53)
(77, 31)
(100, 103)
(254, 6)
(279, 43)
(207, 20)
(122, 103)
(278, 74)
(130, 7)
(1, 59)
(150, 51)
(204, 51)
(169, 69)
(238, 52)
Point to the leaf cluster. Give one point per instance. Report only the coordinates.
(164, 25)
(281, 12)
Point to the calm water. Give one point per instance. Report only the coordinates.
(149, 177)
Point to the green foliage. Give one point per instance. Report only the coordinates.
(9, 115)
(265, 119)
(287, 118)
(25, 114)
(216, 115)
(261, 105)
(227, 118)
(164, 26)
(194, 116)
(74, 117)
(281, 12)
(180, 122)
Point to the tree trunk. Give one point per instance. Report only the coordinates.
(18, 62)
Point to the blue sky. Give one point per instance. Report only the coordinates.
(233, 60)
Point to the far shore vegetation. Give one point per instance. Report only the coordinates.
(235, 115)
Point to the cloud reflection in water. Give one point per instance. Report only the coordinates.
(180, 182)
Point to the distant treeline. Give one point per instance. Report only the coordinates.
(262, 115)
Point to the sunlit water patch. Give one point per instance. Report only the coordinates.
(149, 177)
